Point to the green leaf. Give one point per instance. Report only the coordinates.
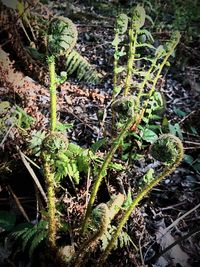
(115, 42)
(120, 69)
(149, 19)
(23, 119)
(179, 112)
(35, 143)
(117, 89)
(128, 200)
(149, 136)
(196, 166)
(160, 51)
(41, 235)
(148, 177)
(95, 147)
(83, 161)
(116, 166)
(145, 45)
(62, 127)
(121, 53)
(176, 130)
(147, 34)
(72, 171)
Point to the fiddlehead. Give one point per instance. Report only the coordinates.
(62, 36)
(124, 107)
(167, 149)
(171, 160)
(121, 23)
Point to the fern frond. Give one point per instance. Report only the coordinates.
(76, 62)
(27, 236)
(30, 233)
(20, 229)
(36, 241)
(146, 45)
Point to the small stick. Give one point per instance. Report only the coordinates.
(18, 203)
(30, 170)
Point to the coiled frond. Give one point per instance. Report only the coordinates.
(138, 17)
(167, 148)
(124, 106)
(54, 143)
(121, 23)
(101, 217)
(62, 36)
(84, 70)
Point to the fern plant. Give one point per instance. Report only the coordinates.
(60, 40)
(139, 107)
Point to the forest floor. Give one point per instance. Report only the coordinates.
(171, 211)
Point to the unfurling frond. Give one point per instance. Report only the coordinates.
(62, 36)
(121, 23)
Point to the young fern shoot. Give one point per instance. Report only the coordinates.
(101, 221)
(164, 55)
(171, 159)
(137, 21)
(61, 38)
(120, 30)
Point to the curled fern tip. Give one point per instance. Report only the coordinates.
(167, 149)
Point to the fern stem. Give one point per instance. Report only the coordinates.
(52, 73)
(103, 169)
(171, 50)
(115, 63)
(49, 176)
